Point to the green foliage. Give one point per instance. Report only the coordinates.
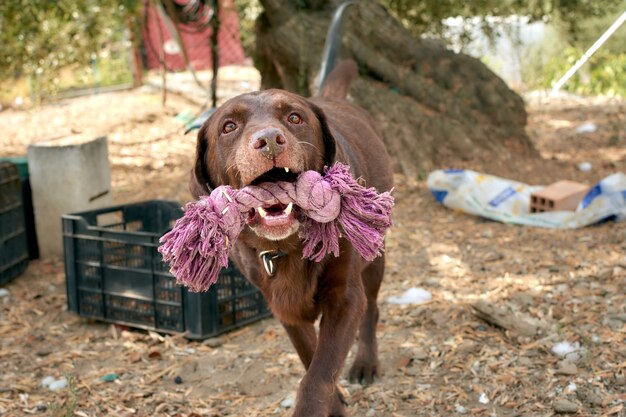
(111, 68)
(426, 16)
(538, 57)
(604, 73)
(573, 27)
(589, 30)
(50, 43)
(70, 403)
(41, 37)
(248, 11)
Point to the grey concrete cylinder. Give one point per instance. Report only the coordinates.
(67, 175)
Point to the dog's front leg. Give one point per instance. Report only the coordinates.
(304, 339)
(342, 310)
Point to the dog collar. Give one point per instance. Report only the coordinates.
(269, 260)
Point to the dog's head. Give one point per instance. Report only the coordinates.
(260, 137)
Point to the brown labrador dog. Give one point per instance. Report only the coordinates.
(274, 135)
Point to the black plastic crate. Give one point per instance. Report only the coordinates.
(21, 163)
(13, 238)
(115, 273)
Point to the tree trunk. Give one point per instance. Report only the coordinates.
(433, 105)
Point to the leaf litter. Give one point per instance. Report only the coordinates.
(462, 353)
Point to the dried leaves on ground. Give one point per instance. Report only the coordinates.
(523, 321)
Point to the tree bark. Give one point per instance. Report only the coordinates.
(432, 104)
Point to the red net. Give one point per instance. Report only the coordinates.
(195, 28)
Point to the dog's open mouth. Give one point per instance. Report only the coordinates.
(276, 175)
(275, 221)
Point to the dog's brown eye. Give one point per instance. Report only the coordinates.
(229, 127)
(295, 118)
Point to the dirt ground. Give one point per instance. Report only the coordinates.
(439, 358)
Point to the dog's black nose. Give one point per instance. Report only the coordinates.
(269, 142)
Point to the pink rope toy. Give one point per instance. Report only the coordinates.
(334, 205)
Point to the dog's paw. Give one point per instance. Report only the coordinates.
(338, 408)
(364, 371)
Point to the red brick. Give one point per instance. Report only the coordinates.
(560, 196)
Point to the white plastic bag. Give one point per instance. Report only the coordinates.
(508, 201)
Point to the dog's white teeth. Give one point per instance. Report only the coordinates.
(286, 169)
(289, 208)
(262, 212)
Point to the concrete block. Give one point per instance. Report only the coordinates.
(560, 196)
(68, 174)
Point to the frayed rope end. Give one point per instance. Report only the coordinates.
(365, 214)
(198, 246)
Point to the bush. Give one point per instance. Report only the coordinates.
(42, 39)
(603, 74)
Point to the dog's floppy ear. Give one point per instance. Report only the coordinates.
(199, 181)
(330, 144)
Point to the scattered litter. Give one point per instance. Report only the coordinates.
(58, 385)
(186, 116)
(47, 381)
(109, 377)
(178, 380)
(565, 348)
(199, 121)
(508, 201)
(585, 166)
(568, 350)
(54, 384)
(483, 399)
(460, 409)
(4, 292)
(288, 402)
(588, 127)
(411, 296)
(571, 387)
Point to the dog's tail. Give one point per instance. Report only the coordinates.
(337, 84)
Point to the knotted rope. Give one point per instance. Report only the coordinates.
(333, 205)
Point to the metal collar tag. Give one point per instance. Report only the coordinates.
(269, 257)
